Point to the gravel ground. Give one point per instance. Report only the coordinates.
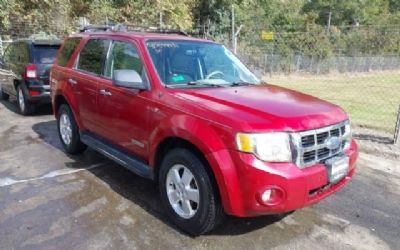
(49, 200)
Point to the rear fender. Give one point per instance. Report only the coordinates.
(70, 98)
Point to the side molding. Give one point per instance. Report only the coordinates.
(126, 160)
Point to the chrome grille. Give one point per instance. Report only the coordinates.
(311, 145)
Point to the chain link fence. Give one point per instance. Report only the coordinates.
(362, 78)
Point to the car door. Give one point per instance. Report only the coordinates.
(124, 111)
(6, 73)
(88, 68)
(62, 72)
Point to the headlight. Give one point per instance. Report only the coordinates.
(347, 135)
(272, 147)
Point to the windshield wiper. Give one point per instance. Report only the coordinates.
(241, 83)
(185, 85)
(194, 83)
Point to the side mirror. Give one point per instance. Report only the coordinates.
(128, 78)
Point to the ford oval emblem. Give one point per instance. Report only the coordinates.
(332, 143)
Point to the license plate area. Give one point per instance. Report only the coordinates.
(337, 168)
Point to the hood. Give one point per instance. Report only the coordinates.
(261, 108)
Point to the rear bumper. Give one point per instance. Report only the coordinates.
(38, 93)
(296, 187)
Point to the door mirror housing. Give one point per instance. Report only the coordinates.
(128, 78)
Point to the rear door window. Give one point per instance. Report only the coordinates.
(45, 54)
(93, 55)
(24, 53)
(67, 51)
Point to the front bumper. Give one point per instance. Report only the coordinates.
(297, 187)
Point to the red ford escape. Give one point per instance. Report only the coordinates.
(189, 115)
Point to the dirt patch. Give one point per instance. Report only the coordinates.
(377, 143)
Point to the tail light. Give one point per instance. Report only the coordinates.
(30, 71)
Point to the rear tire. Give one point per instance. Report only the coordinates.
(25, 107)
(188, 193)
(68, 131)
(3, 95)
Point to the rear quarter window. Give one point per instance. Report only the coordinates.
(67, 51)
(9, 53)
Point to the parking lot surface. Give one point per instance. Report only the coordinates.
(49, 200)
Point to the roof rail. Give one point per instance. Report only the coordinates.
(119, 27)
(92, 28)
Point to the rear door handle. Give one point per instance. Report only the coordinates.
(72, 81)
(105, 92)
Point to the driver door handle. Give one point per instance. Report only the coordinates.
(105, 92)
(72, 81)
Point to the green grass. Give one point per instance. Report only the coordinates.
(371, 99)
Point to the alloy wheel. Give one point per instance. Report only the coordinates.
(21, 100)
(65, 129)
(182, 191)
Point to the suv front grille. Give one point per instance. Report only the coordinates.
(312, 145)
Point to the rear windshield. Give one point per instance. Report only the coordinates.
(45, 54)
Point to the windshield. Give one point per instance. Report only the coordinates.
(45, 54)
(197, 63)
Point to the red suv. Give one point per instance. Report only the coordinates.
(186, 113)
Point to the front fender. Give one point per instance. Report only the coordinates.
(201, 133)
(211, 139)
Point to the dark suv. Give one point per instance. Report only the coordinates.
(24, 72)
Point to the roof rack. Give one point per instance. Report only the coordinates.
(92, 28)
(129, 27)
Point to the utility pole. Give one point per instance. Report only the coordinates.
(1, 47)
(329, 22)
(233, 28)
(161, 19)
(235, 38)
(235, 33)
(396, 138)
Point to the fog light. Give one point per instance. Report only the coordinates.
(271, 196)
(266, 195)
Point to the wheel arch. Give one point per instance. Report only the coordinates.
(17, 83)
(203, 146)
(174, 142)
(60, 99)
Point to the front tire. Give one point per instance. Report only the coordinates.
(24, 106)
(68, 131)
(188, 193)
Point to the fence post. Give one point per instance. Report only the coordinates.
(397, 129)
(265, 63)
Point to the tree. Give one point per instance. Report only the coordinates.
(347, 12)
